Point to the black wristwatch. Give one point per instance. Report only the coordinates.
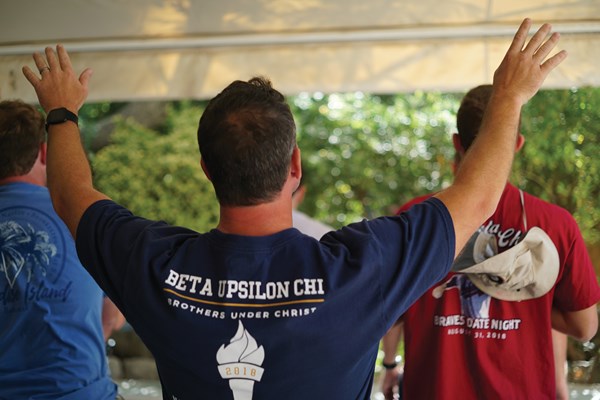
(60, 115)
(389, 366)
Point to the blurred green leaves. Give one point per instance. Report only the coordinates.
(158, 176)
(363, 155)
(560, 160)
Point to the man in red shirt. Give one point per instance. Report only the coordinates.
(461, 342)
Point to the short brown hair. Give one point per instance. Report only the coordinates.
(246, 137)
(470, 114)
(22, 131)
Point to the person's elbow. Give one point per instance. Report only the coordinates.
(585, 333)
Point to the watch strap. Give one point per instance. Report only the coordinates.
(60, 115)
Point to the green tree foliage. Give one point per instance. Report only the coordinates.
(158, 175)
(560, 159)
(364, 155)
(90, 114)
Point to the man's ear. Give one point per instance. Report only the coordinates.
(296, 164)
(205, 169)
(459, 152)
(457, 144)
(520, 142)
(43, 151)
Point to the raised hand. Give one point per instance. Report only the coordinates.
(57, 85)
(525, 67)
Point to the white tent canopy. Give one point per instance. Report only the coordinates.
(175, 49)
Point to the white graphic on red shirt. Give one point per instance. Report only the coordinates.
(473, 302)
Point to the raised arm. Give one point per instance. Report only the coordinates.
(483, 173)
(69, 174)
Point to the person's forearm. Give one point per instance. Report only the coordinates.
(483, 173)
(559, 348)
(112, 318)
(69, 174)
(389, 346)
(389, 343)
(580, 325)
(486, 166)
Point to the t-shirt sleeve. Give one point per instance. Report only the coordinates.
(114, 245)
(424, 251)
(577, 287)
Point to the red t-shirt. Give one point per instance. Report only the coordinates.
(463, 344)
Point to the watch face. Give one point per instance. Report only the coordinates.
(57, 116)
(60, 115)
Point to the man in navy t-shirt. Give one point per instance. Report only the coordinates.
(253, 309)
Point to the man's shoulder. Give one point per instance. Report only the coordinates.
(416, 200)
(537, 205)
(555, 220)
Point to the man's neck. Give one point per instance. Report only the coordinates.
(260, 220)
(28, 178)
(35, 176)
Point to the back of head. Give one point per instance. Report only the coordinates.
(246, 138)
(21, 133)
(470, 113)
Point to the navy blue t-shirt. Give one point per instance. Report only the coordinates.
(279, 316)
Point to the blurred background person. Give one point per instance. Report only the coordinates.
(51, 337)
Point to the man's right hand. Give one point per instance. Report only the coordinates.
(481, 178)
(57, 85)
(525, 67)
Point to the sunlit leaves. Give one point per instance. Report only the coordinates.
(158, 176)
(560, 160)
(365, 154)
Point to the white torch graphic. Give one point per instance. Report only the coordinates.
(240, 362)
